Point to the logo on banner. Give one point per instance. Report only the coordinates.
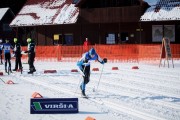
(61, 105)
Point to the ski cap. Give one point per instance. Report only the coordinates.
(92, 51)
(15, 40)
(29, 40)
(7, 40)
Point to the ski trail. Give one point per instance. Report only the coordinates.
(128, 93)
(111, 105)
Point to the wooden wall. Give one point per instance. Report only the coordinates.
(110, 15)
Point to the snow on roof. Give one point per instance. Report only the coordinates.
(163, 10)
(151, 2)
(3, 12)
(46, 12)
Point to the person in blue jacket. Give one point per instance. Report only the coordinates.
(84, 66)
(7, 54)
(1, 45)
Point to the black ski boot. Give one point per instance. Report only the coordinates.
(83, 93)
(30, 72)
(14, 69)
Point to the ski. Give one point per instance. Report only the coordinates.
(86, 97)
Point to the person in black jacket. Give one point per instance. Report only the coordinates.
(17, 52)
(31, 55)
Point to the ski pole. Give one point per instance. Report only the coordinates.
(100, 77)
(2, 80)
(80, 78)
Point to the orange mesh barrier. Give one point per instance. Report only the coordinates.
(114, 53)
(175, 50)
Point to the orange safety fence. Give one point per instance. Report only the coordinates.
(114, 53)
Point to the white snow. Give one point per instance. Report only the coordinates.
(2, 12)
(51, 12)
(151, 2)
(168, 10)
(147, 93)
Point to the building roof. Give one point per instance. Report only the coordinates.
(163, 10)
(3, 12)
(46, 12)
(151, 2)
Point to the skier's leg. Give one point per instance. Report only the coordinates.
(20, 63)
(16, 64)
(5, 57)
(9, 62)
(86, 79)
(33, 57)
(1, 56)
(87, 74)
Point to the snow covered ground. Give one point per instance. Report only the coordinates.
(147, 93)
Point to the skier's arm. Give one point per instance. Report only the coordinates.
(102, 61)
(81, 62)
(80, 69)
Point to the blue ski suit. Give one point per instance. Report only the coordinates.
(84, 65)
(7, 54)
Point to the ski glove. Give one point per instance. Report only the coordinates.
(25, 51)
(105, 60)
(86, 60)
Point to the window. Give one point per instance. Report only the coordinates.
(124, 36)
(111, 38)
(68, 39)
(157, 32)
(75, 1)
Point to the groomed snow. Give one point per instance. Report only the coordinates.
(2, 12)
(46, 13)
(147, 93)
(165, 10)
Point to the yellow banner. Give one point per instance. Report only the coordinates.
(56, 37)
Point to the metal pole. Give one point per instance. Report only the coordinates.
(100, 77)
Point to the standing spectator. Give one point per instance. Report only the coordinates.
(86, 44)
(7, 54)
(17, 52)
(1, 45)
(31, 55)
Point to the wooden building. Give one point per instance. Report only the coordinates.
(160, 20)
(6, 16)
(69, 22)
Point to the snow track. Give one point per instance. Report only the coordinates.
(109, 104)
(148, 93)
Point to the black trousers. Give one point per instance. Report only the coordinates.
(86, 73)
(31, 57)
(7, 59)
(18, 61)
(1, 55)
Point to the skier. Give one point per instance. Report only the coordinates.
(7, 54)
(84, 66)
(17, 51)
(1, 45)
(31, 55)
